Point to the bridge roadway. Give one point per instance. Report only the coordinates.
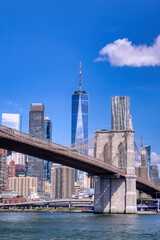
(53, 203)
(24, 143)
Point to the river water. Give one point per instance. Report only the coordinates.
(54, 226)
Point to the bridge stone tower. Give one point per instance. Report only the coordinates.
(115, 194)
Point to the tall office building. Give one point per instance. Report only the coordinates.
(36, 129)
(79, 120)
(11, 120)
(120, 113)
(47, 136)
(146, 158)
(155, 174)
(62, 182)
(3, 170)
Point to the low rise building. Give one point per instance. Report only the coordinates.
(23, 185)
(46, 187)
(13, 200)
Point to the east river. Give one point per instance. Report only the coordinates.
(54, 226)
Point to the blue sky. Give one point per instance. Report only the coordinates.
(42, 43)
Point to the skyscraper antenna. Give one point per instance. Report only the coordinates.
(80, 84)
(141, 141)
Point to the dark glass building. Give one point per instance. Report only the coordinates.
(79, 119)
(36, 129)
(47, 136)
(146, 158)
(120, 112)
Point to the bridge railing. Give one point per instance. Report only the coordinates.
(30, 138)
(27, 136)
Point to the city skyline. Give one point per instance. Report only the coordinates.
(79, 119)
(41, 73)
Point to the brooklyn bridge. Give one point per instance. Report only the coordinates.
(113, 165)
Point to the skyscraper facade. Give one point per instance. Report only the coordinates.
(146, 158)
(79, 127)
(155, 174)
(120, 112)
(47, 136)
(62, 181)
(12, 120)
(24, 186)
(3, 170)
(36, 129)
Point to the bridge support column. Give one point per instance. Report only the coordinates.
(102, 195)
(131, 198)
(115, 195)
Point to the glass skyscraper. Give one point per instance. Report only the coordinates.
(47, 136)
(36, 129)
(120, 112)
(146, 158)
(79, 120)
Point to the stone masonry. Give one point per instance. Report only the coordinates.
(114, 194)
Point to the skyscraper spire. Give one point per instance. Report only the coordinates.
(80, 84)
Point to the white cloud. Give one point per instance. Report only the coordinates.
(155, 158)
(123, 52)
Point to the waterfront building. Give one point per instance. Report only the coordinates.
(62, 181)
(24, 186)
(120, 113)
(46, 187)
(3, 170)
(47, 165)
(79, 128)
(9, 194)
(36, 129)
(13, 200)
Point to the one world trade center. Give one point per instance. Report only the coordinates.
(79, 134)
